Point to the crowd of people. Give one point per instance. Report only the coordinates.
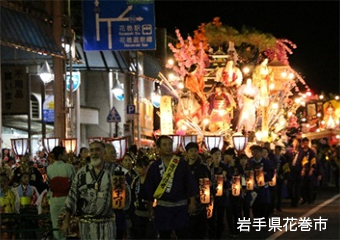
(193, 194)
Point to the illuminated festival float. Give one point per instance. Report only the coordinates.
(225, 82)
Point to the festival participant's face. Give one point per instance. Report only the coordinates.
(243, 161)
(97, 153)
(110, 154)
(264, 153)
(127, 162)
(305, 144)
(217, 156)
(295, 143)
(85, 153)
(192, 153)
(257, 154)
(166, 146)
(25, 179)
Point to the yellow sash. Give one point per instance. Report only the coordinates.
(167, 176)
(25, 201)
(286, 168)
(304, 161)
(313, 162)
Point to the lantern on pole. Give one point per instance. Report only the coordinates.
(120, 144)
(118, 190)
(50, 143)
(187, 139)
(70, 145)
(236, 185)
(210, 208)
(204, 185)
(272, 182)
(259, 176)
(213, 141)
(250, 180)
(219, 187)
(20, 146)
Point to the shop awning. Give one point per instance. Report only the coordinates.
(99, 60)
(26, 32)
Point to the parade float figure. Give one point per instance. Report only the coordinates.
(329, 118)
(230, 76)
(188, 107)
(219, 108)
(263, 78)
(195, 84)
(247, 96)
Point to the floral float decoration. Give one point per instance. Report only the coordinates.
(198, 58)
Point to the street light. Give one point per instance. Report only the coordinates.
(117, 89)
(46, 73)
(20, 146)
(212, 141)
(50, 143)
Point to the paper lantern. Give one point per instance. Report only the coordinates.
(20, 146)
(204, 185)
(213, 141)
(118, 190)
(250, 180)
(240, 143)
(236, 185)
(219, 188)
(210, 208)
(259, 176)
(272, 182)
(176, 142)
(120, 144)
(50, 143)
(70, 144)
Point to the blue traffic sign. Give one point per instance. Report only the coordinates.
(131, 109)
(113, 116)
(119, 25)
(48, 109)
(75, 81)
(48, 115)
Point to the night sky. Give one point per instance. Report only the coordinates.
(312, 25)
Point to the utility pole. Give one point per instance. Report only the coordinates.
(58, 68)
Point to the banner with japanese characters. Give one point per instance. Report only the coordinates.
(166, 115)
(14, 90)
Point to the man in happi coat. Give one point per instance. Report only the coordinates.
(171, 183)
(258, 163)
